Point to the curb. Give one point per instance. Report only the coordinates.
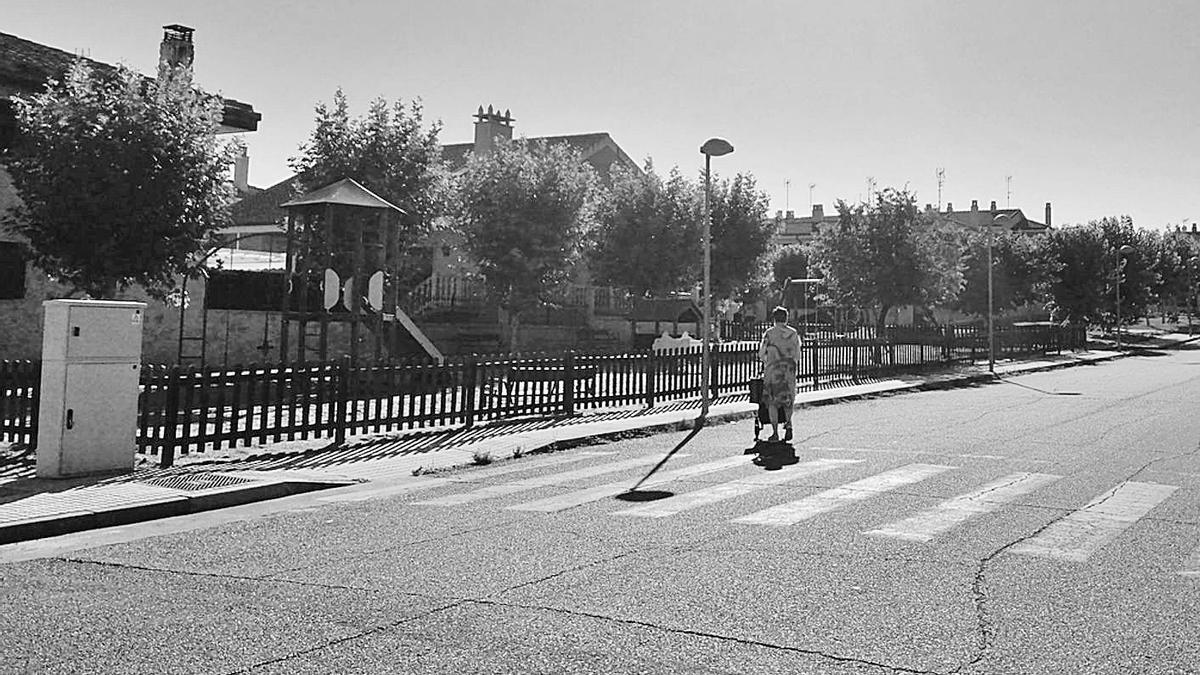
(167, 507)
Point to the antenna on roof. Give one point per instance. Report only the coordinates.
(941, 179)
(1008, 189)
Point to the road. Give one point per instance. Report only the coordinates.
(1049, 523)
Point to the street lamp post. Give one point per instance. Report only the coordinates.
(713, 147)
(1003, 220)
(1191, 294)
(1125, 250)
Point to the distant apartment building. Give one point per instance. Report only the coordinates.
(803, 229)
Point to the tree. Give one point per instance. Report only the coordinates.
(122, 179)
(648, 235)
(888, 254)
(1022, 272)
(1079, 291)
(525, 211)
(741, 236)
(791, 262)
(390, 152)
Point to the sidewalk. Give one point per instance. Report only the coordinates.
(32, 508)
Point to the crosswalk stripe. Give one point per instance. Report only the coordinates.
(428, 482)
(1191, 568)
(735, 488)
(579, 497)
(802, 509)
(1082, 533)
(926, 525)
(491, 491)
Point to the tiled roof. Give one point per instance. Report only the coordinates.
(455, 155)
(25, 66)
(262, 207)
(1020, 222)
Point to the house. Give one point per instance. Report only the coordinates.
(801, 230)
(448, 295)
(25, 66)
(259, 220)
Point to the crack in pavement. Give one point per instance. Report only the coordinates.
(333, 643)
(215, 575)
(705, 634)
(985, 631)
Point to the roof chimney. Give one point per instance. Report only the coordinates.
(791, 214)
(993, 205)
(176, 48)
(818, 211)
(241, 172)
(974, 204)
(949, 207)
(489, 126)
(1047, 214)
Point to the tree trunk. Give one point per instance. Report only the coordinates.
(880, 322)
(514, 325)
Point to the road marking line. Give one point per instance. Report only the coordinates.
(419, 483)
(894, 451)
(1082, 533)
(926, 525)
(803, 509)
(491, 491)
(579, 497)
(1191, 568)
(735, 488)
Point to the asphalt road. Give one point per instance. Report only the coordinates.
(1049, 523)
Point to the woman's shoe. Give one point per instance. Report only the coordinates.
(787, 433)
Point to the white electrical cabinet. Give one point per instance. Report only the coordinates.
(91, 367)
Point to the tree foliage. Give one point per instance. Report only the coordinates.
(648, 235)
(888, 254)
(122, 179)
(791, 262)
(525, 211)
(741, 236)
(1022, 272)
(391, 152)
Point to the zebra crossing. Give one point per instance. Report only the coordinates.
(1074, 537)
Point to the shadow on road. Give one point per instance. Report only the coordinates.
(634, 495)
(773, 456)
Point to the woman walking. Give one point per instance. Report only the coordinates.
(779, 352)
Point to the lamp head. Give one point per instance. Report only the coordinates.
(715, 147)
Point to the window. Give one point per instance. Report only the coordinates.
(12, 271)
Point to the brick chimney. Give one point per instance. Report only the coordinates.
(949, 207)
(489, 126)
(176, 48)
(241, 172)
(818, 211)
(791, 215)
(1047, 214)
(993, 205)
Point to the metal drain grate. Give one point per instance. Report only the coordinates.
(198, 481)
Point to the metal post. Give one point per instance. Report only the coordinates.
(991, 311)
(704, 333)
(1118, 285)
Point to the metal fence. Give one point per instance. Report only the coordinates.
(185, 409)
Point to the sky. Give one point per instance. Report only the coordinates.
(1089, 104)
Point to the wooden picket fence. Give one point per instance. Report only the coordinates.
(182, 410)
